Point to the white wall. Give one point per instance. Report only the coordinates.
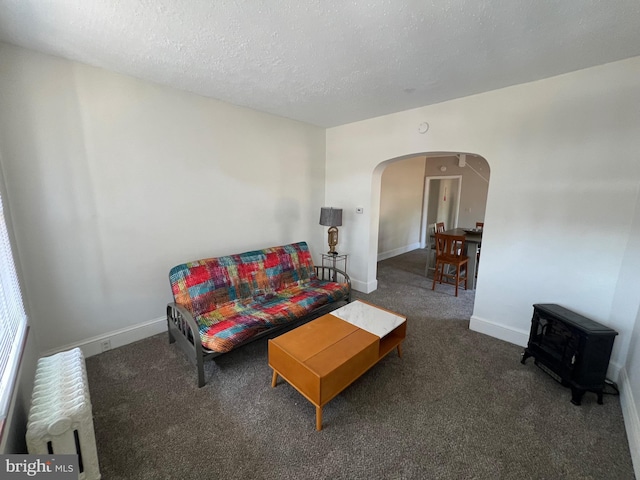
(113, 180)
(564, 188)
(626, 305)
(401, 199)
(563, 154)
(630, 396)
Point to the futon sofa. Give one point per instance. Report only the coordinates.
(223, 303)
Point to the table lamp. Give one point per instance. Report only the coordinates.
(332, 218)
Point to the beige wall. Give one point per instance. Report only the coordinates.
(473, 197)
(401, 197)
(402, 189)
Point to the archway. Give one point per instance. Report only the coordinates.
(399, 192)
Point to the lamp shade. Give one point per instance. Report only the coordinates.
(331, 217)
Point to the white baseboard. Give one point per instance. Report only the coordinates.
(398, 251)
(614, 371)
(511, 335)
(118, 338)
(521, 337)
(631, 419)
(363, 286)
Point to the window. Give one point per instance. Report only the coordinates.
(13, 320)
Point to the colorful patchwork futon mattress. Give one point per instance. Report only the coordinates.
(235, 297)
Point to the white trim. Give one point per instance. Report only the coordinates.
(398, 251)
(424, 234)
(118, 338)
(92, 346)
(613, 372)
(508, 334)
(521, 338)
(363, 286)
(631, 419)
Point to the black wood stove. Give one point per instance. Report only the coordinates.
(571, 348)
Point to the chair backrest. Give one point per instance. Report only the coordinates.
(449, 246)
(479, 224)
(439, 227)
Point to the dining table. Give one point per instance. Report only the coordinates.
(472, 242)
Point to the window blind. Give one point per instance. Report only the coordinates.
(13, 319)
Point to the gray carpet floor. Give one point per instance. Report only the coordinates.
(457, 405)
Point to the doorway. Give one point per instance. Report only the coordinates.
(441, 204)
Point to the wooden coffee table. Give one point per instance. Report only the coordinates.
(323, 357)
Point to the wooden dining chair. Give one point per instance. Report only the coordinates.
(437, 228)
(449, 252)
(478, 225)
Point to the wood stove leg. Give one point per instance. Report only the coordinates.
(576, 395)
(599, 392)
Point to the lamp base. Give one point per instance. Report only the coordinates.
(333, 240)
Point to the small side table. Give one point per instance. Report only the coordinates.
(331, 260)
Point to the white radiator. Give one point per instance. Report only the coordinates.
(60, 418)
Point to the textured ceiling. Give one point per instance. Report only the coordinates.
(330, 62)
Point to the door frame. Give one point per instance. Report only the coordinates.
(424, 235)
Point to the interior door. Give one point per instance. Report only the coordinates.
(441, 204)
